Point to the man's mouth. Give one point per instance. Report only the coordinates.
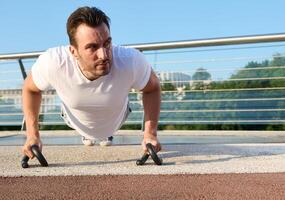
(102, 65)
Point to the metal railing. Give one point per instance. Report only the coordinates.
(280, 37)
(184, 100)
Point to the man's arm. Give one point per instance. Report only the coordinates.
(31, 106)
(151, 102)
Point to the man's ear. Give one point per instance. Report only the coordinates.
(73, 51)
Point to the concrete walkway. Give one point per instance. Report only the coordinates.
(190, 152)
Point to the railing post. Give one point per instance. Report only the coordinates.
(22, 67)
(24, 74)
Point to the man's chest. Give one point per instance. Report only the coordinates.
(105, 96)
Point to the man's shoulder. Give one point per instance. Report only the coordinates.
(61, 51)
(124, 51)
(56, 55)
(128, 56)
(55, 58)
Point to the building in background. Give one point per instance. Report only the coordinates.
(178, 79)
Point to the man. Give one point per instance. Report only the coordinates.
(92, 78)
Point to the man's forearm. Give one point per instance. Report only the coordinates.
(31, 108)
(151, 103)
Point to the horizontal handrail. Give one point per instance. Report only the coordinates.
(168, 91)
(211, 42)
(10, 123)
(169, 101)
(249, 39)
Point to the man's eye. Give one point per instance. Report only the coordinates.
(92, 47)
(107, 45)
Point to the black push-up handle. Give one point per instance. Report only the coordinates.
(152, 154)
(37, 153)
(143, 159)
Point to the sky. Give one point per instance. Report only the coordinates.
(34, 25)
(37, 25)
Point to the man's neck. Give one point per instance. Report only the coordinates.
(87, 74)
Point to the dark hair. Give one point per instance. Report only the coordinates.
(90, 16)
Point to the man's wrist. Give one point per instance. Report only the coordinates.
(150, 133)
(150, 129)
(32, 133)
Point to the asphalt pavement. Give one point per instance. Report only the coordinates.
(184, 152)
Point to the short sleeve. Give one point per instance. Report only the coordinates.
(141, 70)
(41, 72)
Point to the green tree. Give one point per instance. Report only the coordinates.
(168, 87)
(201, 74)
(200, 79)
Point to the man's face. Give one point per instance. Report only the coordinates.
(94, 50)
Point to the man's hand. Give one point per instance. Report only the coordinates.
(31, 106)
(30, 142)
(151, 103)
(150, 138)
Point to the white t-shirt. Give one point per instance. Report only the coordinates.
(94, 108)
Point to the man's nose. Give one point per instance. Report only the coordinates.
(102, 53)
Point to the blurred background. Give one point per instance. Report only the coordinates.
(222, 69)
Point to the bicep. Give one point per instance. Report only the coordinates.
(30, 85)
(153, 83)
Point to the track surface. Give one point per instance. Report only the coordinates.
(222, 186)
(214, 165)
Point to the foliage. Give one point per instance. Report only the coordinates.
(168, 86)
